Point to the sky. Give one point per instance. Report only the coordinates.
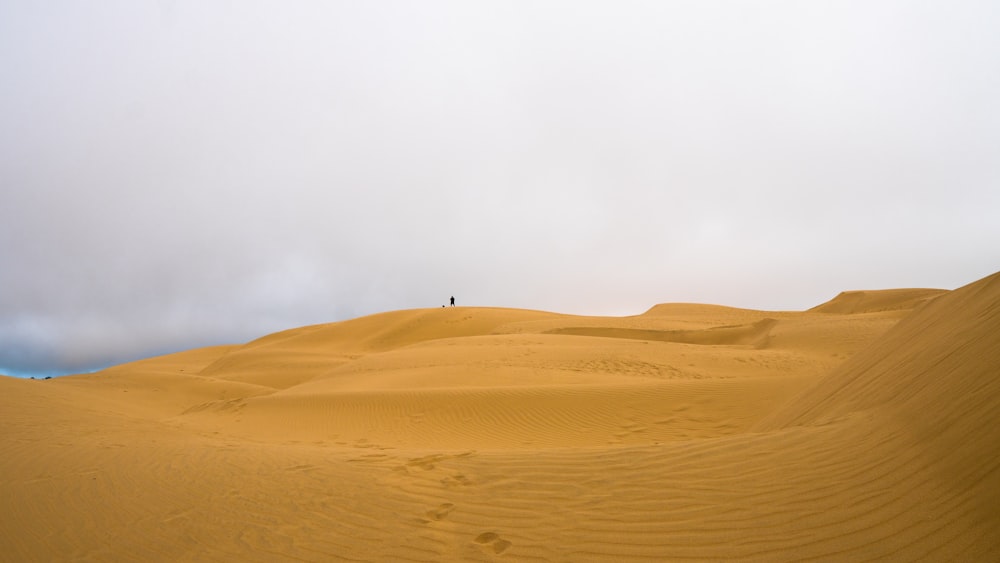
(176, 174)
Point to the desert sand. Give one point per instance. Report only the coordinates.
(866, 428)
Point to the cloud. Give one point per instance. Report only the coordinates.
(188, 173)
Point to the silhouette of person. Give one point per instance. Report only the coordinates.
(452, 300)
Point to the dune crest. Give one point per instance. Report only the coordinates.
(947, 353)
(754, 334)
(866, 428)
(874, 301)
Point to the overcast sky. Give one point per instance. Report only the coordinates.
(183, 173)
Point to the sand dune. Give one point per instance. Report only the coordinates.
(875, 301)
(864, 428)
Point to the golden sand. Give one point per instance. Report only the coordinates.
(865, 428)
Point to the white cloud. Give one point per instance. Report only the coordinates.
(188, 172)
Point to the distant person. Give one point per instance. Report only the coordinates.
(452, 300)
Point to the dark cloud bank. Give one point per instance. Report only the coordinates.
(179, 174)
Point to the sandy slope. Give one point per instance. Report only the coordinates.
(865, 428)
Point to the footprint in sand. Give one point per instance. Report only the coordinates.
(457, 480)
(427, 462)
(492, 540)
(440, 512)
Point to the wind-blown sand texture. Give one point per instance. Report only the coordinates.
(866, 428)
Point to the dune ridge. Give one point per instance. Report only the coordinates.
(935, 375)
(872, 301)
(862, 429)
(754, 334)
